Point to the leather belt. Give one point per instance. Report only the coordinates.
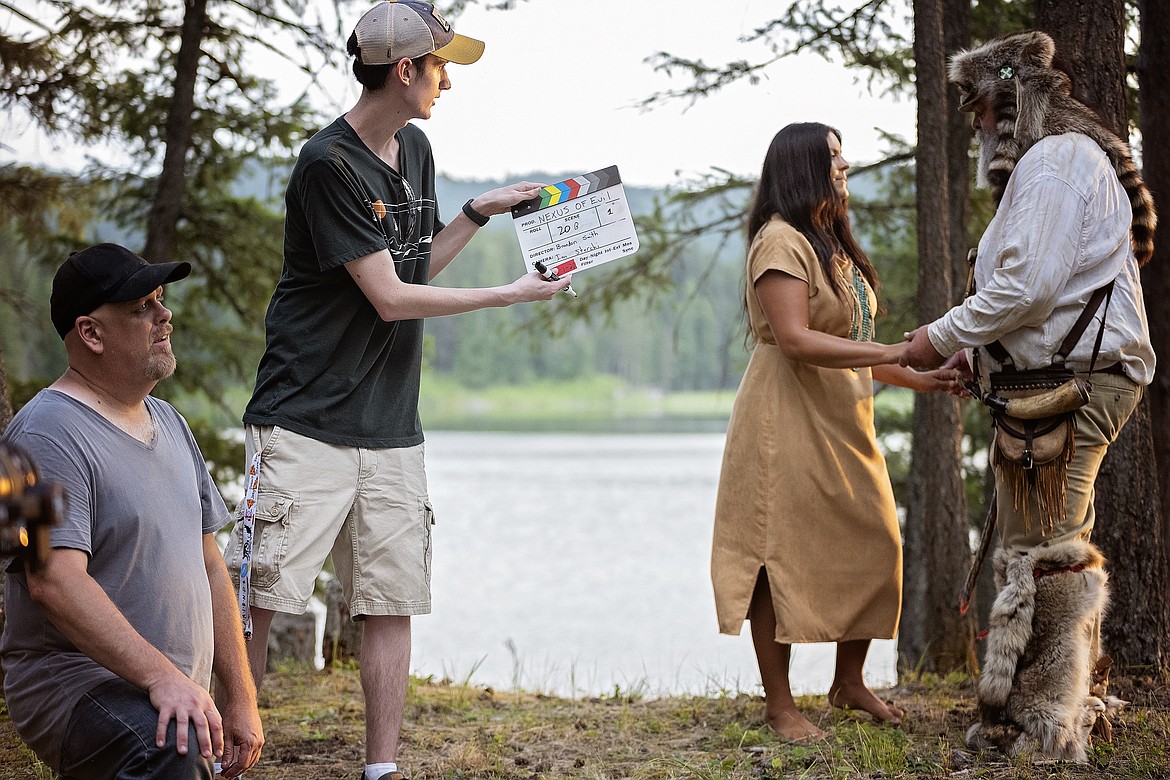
(1117, 368)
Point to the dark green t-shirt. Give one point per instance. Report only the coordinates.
(332, 369)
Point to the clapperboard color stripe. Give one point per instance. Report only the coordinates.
(569, 189)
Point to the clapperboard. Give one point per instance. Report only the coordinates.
(577, 223)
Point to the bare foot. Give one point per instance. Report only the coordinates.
(790, 725)
(858, 697)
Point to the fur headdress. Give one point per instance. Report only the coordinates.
(1030, 99)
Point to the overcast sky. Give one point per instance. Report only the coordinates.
(557, 88)
(559, 80)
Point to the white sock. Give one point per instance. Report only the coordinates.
(375, 771)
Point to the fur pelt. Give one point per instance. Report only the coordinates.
(1034, 693)
(1030, 100)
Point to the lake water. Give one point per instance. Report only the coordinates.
(577, 564)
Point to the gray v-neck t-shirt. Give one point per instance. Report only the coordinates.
(140, 512)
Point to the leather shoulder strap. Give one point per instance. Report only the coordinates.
(1078, 328)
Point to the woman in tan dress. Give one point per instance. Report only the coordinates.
(806, 543)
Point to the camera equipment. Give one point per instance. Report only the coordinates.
(28, 506)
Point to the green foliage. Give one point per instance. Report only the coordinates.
(885, 225)
(224, 455)
(669, 318)
(873, 36)
(686, 334)
(42, 216)
(992, 19)
(107, 72)
(103, 71)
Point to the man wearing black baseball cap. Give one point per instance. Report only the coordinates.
(108, 649)
(336, 394)
(106, 273)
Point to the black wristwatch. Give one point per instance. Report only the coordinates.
(473, 215)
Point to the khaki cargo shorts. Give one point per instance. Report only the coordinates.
(367, 507)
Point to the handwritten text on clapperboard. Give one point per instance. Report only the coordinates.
(577, 224)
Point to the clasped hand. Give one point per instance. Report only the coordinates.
(918, 352)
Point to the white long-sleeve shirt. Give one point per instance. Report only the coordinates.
(1060, 232)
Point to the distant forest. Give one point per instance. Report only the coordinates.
(687, 335)
(689, 338)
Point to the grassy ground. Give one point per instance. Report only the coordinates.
(313, 723)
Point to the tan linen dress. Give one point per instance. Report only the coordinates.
(803, 490)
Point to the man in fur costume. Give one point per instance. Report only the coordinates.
(1072, 216)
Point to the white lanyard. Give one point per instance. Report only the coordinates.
(247, 525)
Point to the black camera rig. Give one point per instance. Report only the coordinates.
(28, 506)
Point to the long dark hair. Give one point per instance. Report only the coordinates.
(796, 184)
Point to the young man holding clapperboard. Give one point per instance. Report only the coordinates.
(334, 442)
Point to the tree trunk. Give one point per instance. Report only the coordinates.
(1153, 70)
(956, 36)
(1128, 531)
(5, 398)
(162, 225)
(1089, 34)
(1090, 42)
(5, 418)
(933, 637)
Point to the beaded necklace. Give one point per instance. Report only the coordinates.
(861, 320)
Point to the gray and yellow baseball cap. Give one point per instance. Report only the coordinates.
(394, 29)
